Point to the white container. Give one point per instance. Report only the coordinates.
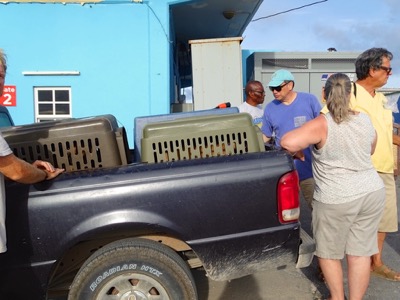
(217, 72)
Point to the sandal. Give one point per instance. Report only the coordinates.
(386, 273)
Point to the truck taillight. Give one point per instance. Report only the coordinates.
(288, 197)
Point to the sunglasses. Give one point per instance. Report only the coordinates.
(388, 70)
(262, 93)
(277, 88)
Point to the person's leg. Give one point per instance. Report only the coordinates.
(389, 223)
(331, 225)
(333, 273)
(358, 275)
(377, 267)
(377, 258)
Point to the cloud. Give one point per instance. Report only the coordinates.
(353, 35)
(357, 26)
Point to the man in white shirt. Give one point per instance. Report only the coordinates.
(17, 169)
(255, 95)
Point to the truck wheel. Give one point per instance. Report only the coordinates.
(137, 269)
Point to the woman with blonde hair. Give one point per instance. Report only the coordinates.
(349, 195)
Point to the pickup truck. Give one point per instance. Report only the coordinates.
(200, 191)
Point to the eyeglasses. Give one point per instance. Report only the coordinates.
(277, 88)
(260, 92)
(388, 70)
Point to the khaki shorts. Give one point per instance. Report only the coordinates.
(389, 222)
(348, 228)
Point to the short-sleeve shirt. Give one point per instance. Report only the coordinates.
(280, 118)
(256, 112)
(382, 119)
(4, 151)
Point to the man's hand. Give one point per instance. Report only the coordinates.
(48, 168)
(298, 155)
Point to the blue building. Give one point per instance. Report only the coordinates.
(126, 58)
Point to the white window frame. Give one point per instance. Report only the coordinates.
(54, 116)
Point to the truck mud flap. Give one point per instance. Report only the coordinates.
(306, 250)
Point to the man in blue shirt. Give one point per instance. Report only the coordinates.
(289, 110)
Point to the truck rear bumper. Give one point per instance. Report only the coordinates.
(306, 250)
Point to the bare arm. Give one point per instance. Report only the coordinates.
(19, 170)
(311, 133)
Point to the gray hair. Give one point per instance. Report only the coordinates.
(3, 60)
(337, 94)
(371, 58)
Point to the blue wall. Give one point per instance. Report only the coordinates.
(121, 49)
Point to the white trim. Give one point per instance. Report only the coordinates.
(49, 73)
(52, 102)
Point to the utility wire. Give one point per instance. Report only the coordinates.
(286, 11)
(161, 24)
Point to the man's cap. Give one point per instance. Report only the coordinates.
(280, 77)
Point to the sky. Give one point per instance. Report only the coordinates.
(347, 25)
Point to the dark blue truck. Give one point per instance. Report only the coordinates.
(200, 191)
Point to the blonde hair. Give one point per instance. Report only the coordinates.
(337, 94)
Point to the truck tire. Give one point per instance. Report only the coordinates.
(134, 269)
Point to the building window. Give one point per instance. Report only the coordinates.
(52, 103)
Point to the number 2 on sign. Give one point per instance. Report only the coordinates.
(9, 97)
(7, 100)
